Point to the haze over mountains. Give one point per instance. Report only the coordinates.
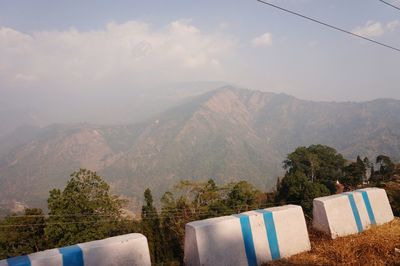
(226, 134)
(42, 107)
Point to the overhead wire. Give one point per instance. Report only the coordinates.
(161, 215)
(147, 212)
(329, 25)
(389, 4)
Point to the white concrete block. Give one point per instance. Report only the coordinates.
(44, 258)
(215, 241)
(260, 239)
(250, 238)
(130, 249)
(291, 230)
(380, 205)
(351, 212)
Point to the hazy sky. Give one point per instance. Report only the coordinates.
(80, 47)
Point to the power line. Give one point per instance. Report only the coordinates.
(165, 211)
(181, 215)
(62, 223)
(389, 4)
(329, 25)
(161, 215)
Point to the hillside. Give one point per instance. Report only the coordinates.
(227, 134)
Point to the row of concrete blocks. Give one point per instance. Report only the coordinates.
(250, 238)
(256, 237)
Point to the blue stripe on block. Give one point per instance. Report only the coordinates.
(72, 256)
(248, 239)
(271, 234)
(355, 212)
(368, 206)
(19, 261)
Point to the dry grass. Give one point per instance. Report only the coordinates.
(372, 247)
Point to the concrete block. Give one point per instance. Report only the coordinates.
(215, 241)
(380, 209)
(44, 258)
(351, 212)
(250, 238)
(291, 230)
(130, 249)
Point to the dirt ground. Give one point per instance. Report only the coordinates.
(376, 246)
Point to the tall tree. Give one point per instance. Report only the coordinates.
(175, 214)
(151, 227)
(243, 197)
(310, 172)
(317, 162)
(296, 188)
(353, 174)
(386, 166)
(85, 210)
(171, 228)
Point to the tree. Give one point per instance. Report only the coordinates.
(22, 234)
(200, 200)
(369, 169)
(291, 188)
(243, 197)
(367, 163)
(354, 174)
(171, 228)
(151, 227)
(209, 201)
(386, 167)
(296, 188)
(316, 162)
(85, 210)
(175, 214)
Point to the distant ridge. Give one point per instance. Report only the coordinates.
(226, 134)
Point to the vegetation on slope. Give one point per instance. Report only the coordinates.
(228, 135)
(86, 210)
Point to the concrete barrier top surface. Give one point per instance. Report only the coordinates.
(209, 221)
(115, 240)
(329, 198)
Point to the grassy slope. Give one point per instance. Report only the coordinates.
(372, 247)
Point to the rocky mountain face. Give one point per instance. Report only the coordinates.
(228, 134)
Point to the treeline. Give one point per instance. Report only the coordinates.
(86, 210)
(320, 170)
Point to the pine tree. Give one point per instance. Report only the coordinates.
(151, 227)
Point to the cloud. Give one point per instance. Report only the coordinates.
(25, 78)
(262, 40)
(393, 25)
(376, 29)
(125, 54)
(370, 29)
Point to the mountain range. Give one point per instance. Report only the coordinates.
(227, 134)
